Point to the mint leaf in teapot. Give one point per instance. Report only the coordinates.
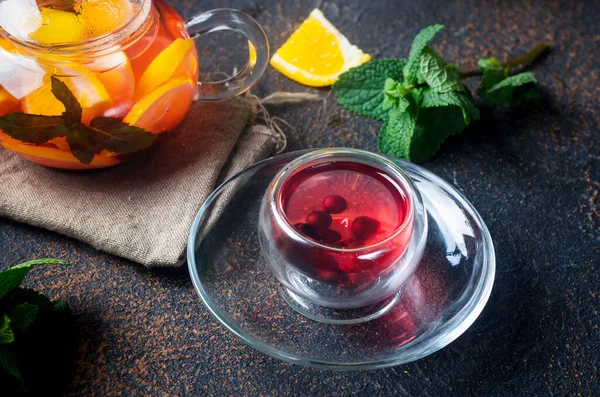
(103, 133)
(32, 128)
(119, 137)
(73, 111)
(422, 100)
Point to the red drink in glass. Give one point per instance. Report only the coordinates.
(352, 222)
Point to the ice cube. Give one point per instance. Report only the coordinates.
(19, 75)
(20, 17)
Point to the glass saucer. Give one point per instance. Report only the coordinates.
(437, 304)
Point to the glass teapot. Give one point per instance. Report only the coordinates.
(88, 83)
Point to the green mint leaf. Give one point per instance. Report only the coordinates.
(8, 362)
(81, 142)
(107, 133)
(360, 89)
(61, 307)
(432, 99)
(440, 116)
(23, 315)
(27, 295)
(119, 137)
(6, 333)
(382, 143)
(512, 91)
(13, 276)
(394, 93)
(30, 128)
(493, 72)
(399, 131)
(439, 75)
(85, 142)
(411, 69)
(73, 111)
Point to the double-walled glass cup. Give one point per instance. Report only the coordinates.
(361, 280)
(75, 76)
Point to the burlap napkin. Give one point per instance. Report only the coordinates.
(142, 210)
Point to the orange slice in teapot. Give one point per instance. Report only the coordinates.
(53, 157)
(116, 74)
(8, 103)
(164, 67)
(59, 27)
(162, 109)
(104, 16)
(88, 89)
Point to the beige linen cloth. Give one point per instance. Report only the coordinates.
(141, 210)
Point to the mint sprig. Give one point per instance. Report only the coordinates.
(499, 88)
(35, 334)
(361, 89)
(103, 133)
(423, 101)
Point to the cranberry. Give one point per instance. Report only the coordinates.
(319, 220)
(364, 227)
(307, 230)
(330, 237)
(335, 204)
(352, 242)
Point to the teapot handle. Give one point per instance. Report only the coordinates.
(237, 21)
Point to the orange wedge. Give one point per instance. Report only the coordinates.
(8, 103)
(55, 158)
(163, 67)
(164, 108)
(317, 53)
(89, 91)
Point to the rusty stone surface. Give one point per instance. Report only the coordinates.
(533, 173)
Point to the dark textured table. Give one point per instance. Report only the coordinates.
(533, 173)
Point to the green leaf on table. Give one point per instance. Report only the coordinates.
(13, 276)
(382, 143)
(422, 39)
(440, 116)
(493, 72)
(394, 95)
(27, 295)
(23, 315)
(361, 88)
(8, 363)
(432, 99)
(399, 131)
(6, 333)
(427, 102)
(439, 75)
(512, 91)
(61, 307)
